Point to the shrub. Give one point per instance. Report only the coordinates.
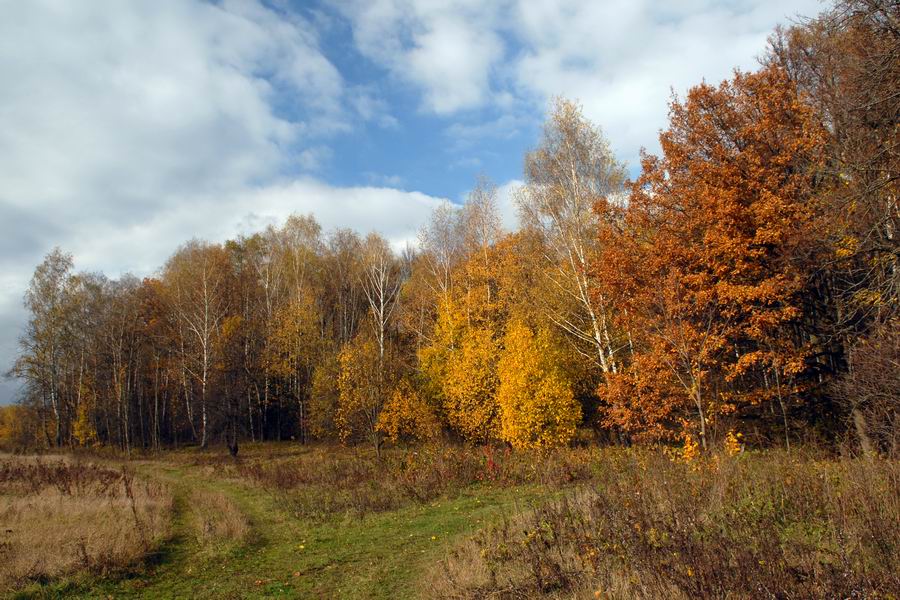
(746, 527)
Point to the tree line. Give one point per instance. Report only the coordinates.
(746, 282)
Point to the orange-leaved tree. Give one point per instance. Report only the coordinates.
(714, 255)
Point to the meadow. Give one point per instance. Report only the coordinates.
(449, 521)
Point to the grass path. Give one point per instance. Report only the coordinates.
(377, 556)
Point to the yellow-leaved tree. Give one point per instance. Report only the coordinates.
(461, 366)
(83, 429)
(361, 396)
(537, 406)
(15, 427)
(406, 415)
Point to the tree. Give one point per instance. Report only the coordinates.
(571, 170)
(442, 246)
(42, 345)
(407, 415)
(847, 62)
(324, 398)
(381, 281)
(197, 278)
(716, 253)
(461, 365)
(361, 384)
(293, 348)
(537, 406)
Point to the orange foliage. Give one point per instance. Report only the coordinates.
(712, 259)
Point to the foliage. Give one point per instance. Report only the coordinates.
(325, 396)
(462, 365)
(15, 424)
(712, 286)
(537, 406)
(362, 389)
(406, 415)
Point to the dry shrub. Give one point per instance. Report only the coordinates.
(762, 526)
(330, 480)
(217, 519)
(59, 515)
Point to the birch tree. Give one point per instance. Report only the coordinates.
(197, 276)
(571, 170)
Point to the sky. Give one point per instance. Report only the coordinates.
(128, 127)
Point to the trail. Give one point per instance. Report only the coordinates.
(382, 555)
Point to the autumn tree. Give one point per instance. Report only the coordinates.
(43, 344)
(408, 415)
(197, 281)
(572, 169)
(714, 261)
(847, 61)
(362, 391)
(440, 240)
(537, 405)
(460, 362)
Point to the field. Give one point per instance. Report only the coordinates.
(285, 520)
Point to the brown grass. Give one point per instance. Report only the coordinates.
(325, 480)
(757, 526)
(217, 519)
(60, 515)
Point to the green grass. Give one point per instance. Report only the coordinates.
(381, 555)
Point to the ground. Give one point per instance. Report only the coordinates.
(379, 555)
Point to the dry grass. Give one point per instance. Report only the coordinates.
(217, 519)
(757, 526)
(326, 480)
(60, 515)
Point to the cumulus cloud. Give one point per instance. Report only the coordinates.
(620, 58)
(506, 203)
(130, 127)
(447, 50)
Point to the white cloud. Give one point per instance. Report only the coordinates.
(620, 58)
(130, 127)
(504, 127)
(506, 203)
(447, 50)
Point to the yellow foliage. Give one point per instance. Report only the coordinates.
(733, 444)
(846, 247)
(537, 406)
(359, 385)
(470, 387)
(83, 429)
(14, 427)
(407, 415)
(324, 397)
(691, 449)
(461, 368)
(293, 338)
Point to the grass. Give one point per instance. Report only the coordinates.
(761, 525)
(348, 553)
(456, 522)
(59, 516)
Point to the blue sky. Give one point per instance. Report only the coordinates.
(128, 127)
